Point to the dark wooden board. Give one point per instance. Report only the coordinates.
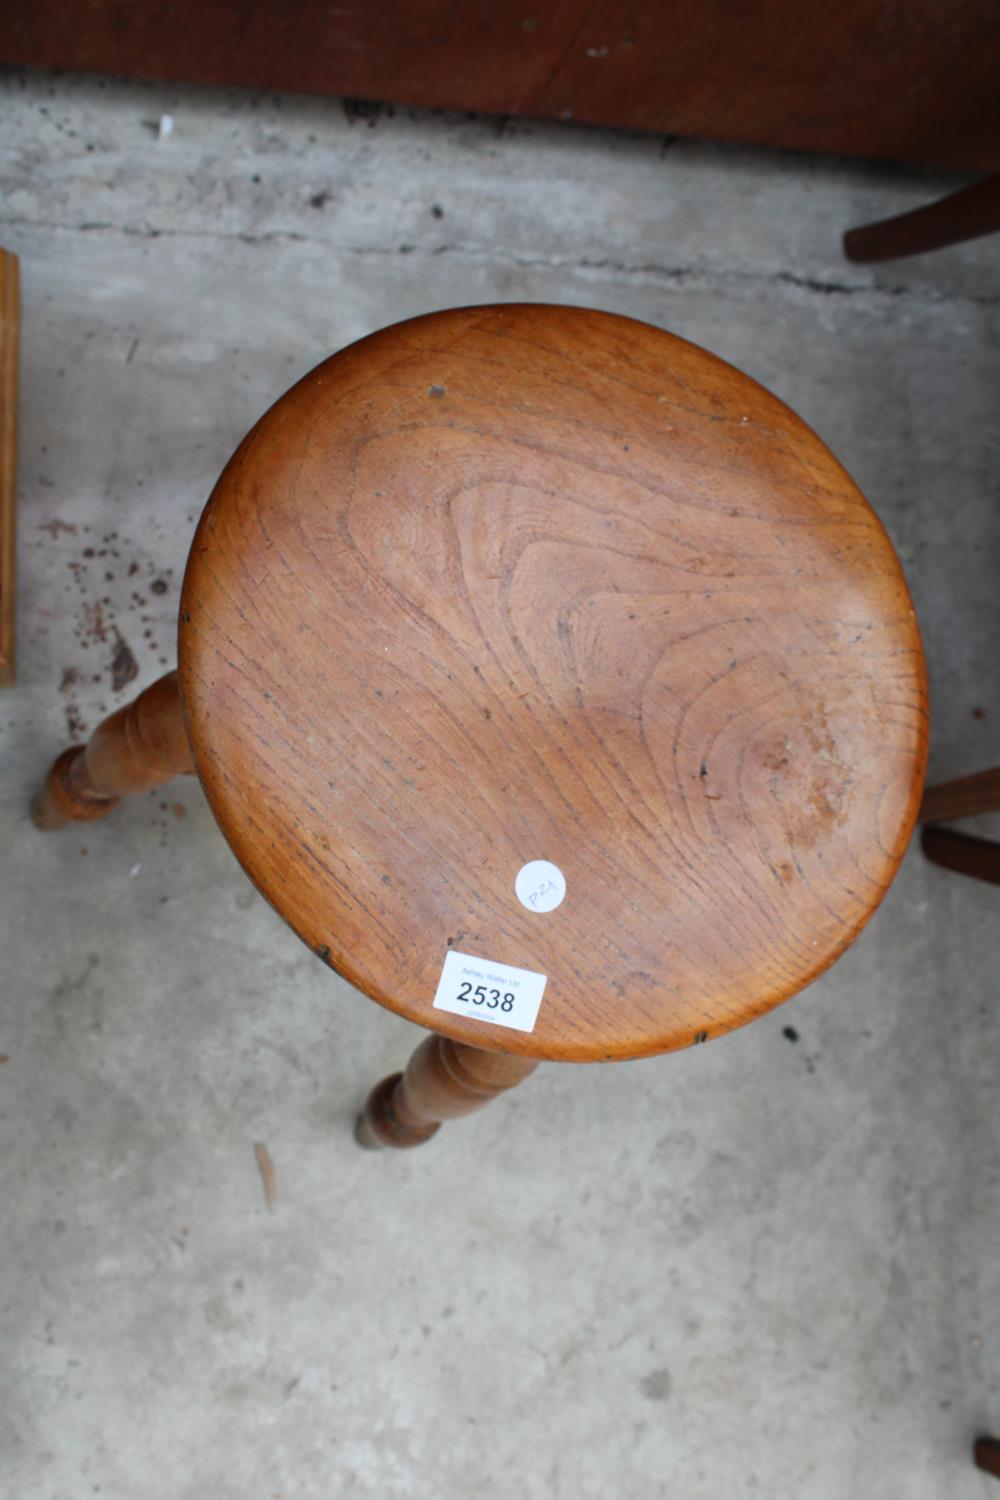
(864, 77)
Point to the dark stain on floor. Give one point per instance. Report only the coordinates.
(656, 1385)
(124, 667)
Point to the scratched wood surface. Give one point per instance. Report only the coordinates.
(530, 582)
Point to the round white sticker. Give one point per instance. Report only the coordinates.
(540, 886)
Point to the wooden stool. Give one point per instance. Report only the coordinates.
(555, 684)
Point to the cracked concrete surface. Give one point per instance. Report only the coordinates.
(763, 1267)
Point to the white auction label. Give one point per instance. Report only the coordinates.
(497, 993)
(540, 885)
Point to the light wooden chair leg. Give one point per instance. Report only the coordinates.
(138, 747)
(443, 1079)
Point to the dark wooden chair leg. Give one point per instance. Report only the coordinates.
(962, 853)
(986, 1452)
(964, 215)
(138, 747)
(964, 798)
(443, 1080)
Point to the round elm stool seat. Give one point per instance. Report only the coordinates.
(554, 683)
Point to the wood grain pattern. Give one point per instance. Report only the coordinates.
(137, 747)
(915, 82)
(526, 582)
(9, 328)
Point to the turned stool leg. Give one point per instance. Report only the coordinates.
(138, 747)
(443, 1079)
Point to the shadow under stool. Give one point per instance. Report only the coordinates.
(555, 684)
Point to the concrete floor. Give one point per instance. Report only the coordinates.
(768, 1267)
